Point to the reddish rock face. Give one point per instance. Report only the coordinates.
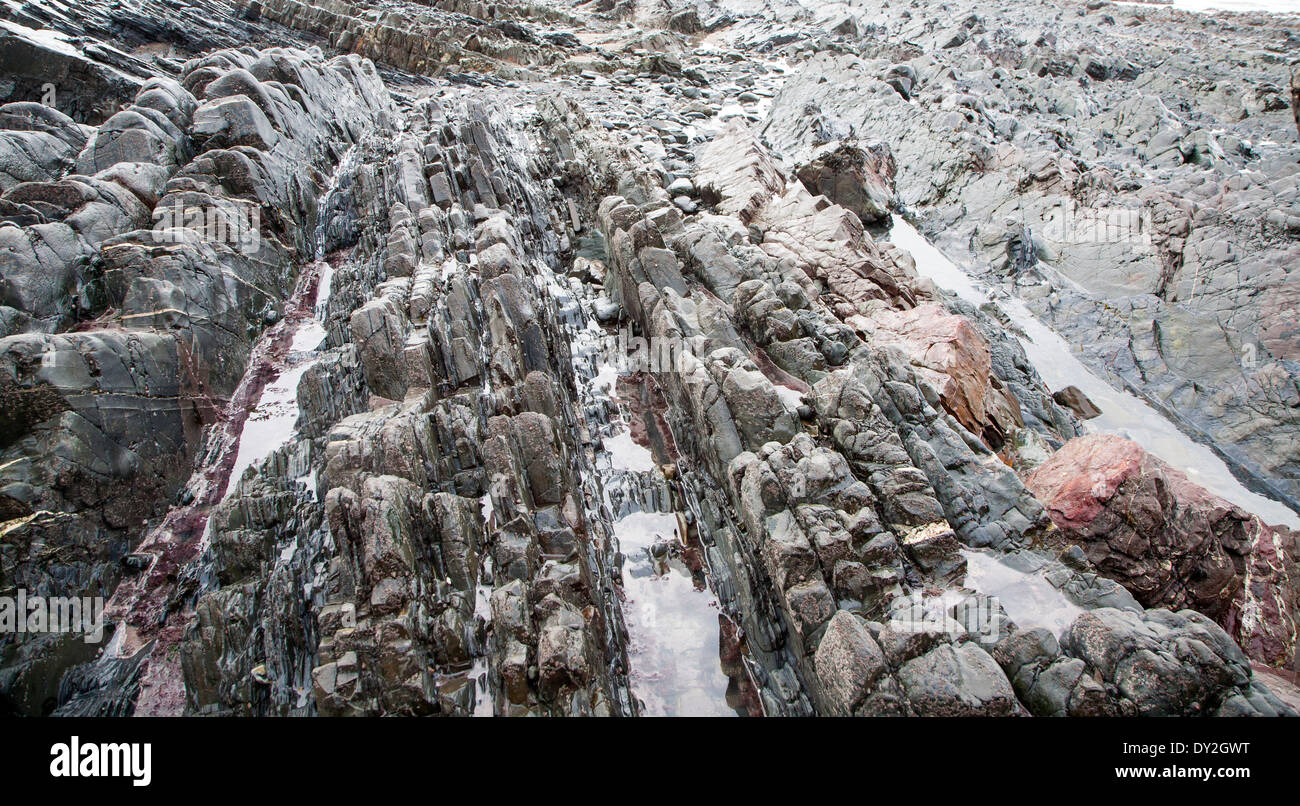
(951, 355)
(1172, 543)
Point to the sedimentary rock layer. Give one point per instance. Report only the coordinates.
(552, 359)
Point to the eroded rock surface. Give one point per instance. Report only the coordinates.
(1130, 172)
(1172, 543)
(539, 302)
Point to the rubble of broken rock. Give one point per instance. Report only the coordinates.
(390, 453)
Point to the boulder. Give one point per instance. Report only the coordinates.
(1169, 541)
(859, 178)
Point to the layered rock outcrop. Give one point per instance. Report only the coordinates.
(129, 326)
(547, 359)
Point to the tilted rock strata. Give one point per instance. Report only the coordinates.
(130, 338)
(413, 352)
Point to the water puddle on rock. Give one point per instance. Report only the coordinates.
(1122, 413)
(1027, 596)
(672, 621)
(625, 454)
(478, 674)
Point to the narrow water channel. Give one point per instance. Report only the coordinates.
(673, 620)
(274, 419)
(261, 416)
(672, 617)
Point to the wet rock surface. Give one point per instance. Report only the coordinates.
(1127, 171)
(547, 359)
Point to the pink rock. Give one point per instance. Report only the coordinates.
(952, 356)
(1171, 542)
